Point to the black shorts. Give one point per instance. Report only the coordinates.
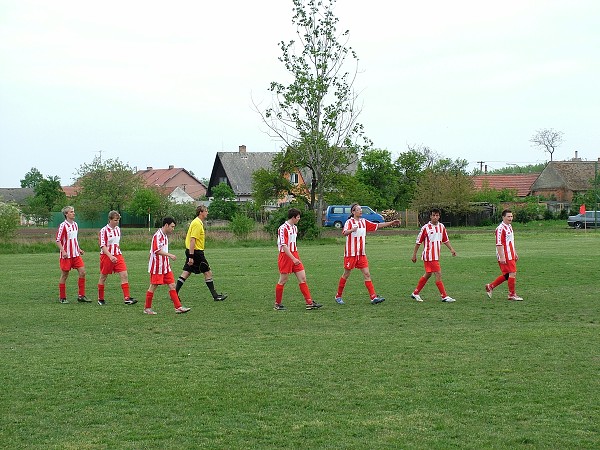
(200, 262)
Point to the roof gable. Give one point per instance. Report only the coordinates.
(16, 195)
(173, 177)
(239, 167)
(572, 175)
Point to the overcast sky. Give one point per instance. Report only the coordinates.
(172, 83)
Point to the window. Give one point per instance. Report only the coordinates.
(294, 178)
(222, 180)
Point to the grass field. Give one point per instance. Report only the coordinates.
(474, 374)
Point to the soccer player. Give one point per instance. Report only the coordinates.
(288, 261)
(111, 258)
(159, 267)
(70, 256)
(195, 261)
(432, 236)
(507, 257)
(355, 256)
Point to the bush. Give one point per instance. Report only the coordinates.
(241, 225)
(9, 220)
(307, 227)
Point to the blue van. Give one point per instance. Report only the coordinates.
(336, 215)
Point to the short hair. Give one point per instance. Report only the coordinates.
(505, 212)
(66, 209)
(293, 212)
(168, 221)
(113, 215)
(435, 211)
(200, 209)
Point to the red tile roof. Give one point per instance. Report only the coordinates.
(521, 182)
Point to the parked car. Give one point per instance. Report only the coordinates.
(588, 220)
(336, 215)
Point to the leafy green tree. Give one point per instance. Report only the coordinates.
(48, 196)
(223, 206)
(148, 201)
(410, 166)
(183, 213)
(316, 115)
(349, 190)
(268, 185)
(32, 178)
(377, 171)
(105, 185)
(9, 220)
(307, 227)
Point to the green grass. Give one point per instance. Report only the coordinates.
(475, 374)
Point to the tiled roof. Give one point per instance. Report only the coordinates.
(165, 178)
(239, 167)
(16, 195)
(521, 182)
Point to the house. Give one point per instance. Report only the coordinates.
(236, 169)
(561, 180)
(173, 178)
(519, 182)
(17, 196)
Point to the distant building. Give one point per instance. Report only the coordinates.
(561, 180)
(174, 178)
(519, 182)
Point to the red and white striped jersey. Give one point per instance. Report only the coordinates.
(432, 237)
(506, 238)
(355, 241)
(159, 264)
(67, 238)
(287, 235)
(110, 238)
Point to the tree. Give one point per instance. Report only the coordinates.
(32, 178)
(316, 115)
(410, 166)
(223, 206)
(147, 201)
(48, 196)
(268, 185)
(377, 171)
(548, 139)
(105, 185)
(9, 220)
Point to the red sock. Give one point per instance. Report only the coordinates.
(149, 296)
(420, 285)
(305, 292)
(125, 287)
(371, 289)
(341, 286)
(278, 293)
(498, 281)
(441, 288)
(511, 285)
(100, 292)
(175, 298)
(62, 290)
(81, 285)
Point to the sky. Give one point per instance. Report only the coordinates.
(173, 83)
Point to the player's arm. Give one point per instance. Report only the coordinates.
(287, 251)
(414, 256)
(389, 224)
(191, 249)
(501, 255)
(447, 244)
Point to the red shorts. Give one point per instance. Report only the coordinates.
(164, 278)
(107, 266)
(509, 267)
(286, 265)
(67, 264)
(432, 266)
(356, 262)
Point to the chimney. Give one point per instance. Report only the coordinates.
(171, 166)
(149, 168)
(576, 154)
(242, 149)
(485, 168)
